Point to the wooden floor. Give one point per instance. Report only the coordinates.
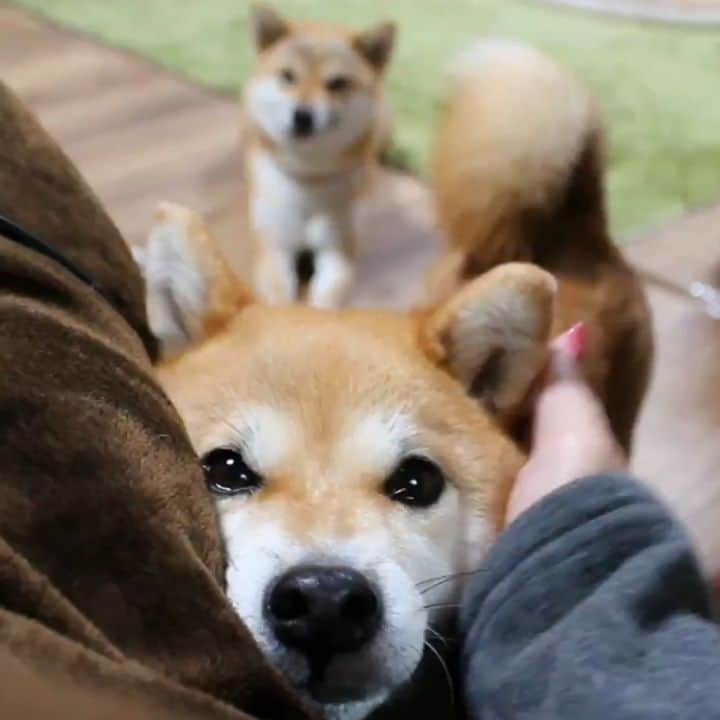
(141, 136)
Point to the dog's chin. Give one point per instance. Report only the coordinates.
(319, 138)
(335, 138)
(349, 687)
(354, 710)
(340, 693)
(343, 702)
(346, 688)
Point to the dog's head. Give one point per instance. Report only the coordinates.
(316, 88)
(358, 459)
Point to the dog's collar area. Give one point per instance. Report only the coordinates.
(15, 233)
(321, 178)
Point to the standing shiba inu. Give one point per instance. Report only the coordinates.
(314, 116)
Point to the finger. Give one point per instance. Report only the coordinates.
(568, 406)
(559, 364)
(567, 403)
(566, 351)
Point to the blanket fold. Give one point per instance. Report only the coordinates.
(111, 567)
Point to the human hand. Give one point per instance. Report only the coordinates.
(571, 433)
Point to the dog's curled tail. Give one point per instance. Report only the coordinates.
(518, 161)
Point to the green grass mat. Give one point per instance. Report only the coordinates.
(659, 85)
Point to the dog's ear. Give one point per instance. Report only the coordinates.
(492, 335)
(191, 291)
(267, 26)
(376, 44)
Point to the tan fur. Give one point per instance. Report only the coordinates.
(518, 175)
(321, 367)
(325, 405)
(225, 296)
(321, 182)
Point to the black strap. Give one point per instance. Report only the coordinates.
(12, 231)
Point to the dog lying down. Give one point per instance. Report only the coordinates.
(362, 460)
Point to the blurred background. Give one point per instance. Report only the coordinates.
(142, 94)
(656, 83)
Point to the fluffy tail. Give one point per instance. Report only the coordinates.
(518, 163)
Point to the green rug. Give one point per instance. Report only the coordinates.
(659, 86)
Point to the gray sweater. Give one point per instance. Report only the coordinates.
(592, 607)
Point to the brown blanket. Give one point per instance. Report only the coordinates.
(111, 601)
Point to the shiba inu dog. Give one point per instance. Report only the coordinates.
(359, 458)
(518, 175)
(314, 117)
(362, 460)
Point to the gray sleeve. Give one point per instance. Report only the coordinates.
(592, 607)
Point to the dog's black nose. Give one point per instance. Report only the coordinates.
(303, 122)
(321, 611)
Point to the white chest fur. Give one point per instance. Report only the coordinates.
(292, 211)
(299, 206)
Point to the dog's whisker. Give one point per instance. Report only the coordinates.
(435, 578)
(446, 579)
(446, 671)
(435, 606)
(447, 576)
(437, 635)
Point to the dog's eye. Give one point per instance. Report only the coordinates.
(338, 84)
(226, 473)
(416, 482)
(287, 76)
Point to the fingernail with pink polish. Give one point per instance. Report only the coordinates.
(567, 349)
(576, 340)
